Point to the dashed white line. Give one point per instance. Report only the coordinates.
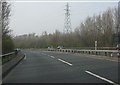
(65, 62)
(48, 55)
(43, 53)
(109, 81)
(52, 56)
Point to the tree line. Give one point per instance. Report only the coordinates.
(7, 43)
(100, 28)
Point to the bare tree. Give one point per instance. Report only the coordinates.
(99, 27)
(7, 43)
(5, 18)
(0, 27)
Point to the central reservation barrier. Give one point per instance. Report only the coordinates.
(111, 53)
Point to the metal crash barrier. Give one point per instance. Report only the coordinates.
(10, 60)
(111, 53)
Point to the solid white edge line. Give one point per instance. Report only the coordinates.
(65, 62)
(100, 77)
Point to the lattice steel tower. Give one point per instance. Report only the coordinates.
(67, 24)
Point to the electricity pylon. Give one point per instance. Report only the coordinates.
(67, 24)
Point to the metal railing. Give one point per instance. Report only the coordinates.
(111, 53)
(9, 56)
(92, 48)
(10, 60)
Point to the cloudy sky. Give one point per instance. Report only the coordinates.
(36, 17)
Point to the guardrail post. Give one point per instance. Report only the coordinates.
(96, 53)
(92, 52)
(68, 50)
(105, 53)
(110, 54)
(89, 52)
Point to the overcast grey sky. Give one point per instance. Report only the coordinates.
(36, 17)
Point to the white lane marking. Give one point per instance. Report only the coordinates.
(65, 62)
(100, 77)
(42, 53)
(52, 56)
(48, 55)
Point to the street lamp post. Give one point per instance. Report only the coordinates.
(96, 45)
(97, 36)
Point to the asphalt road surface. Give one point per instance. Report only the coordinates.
(54, 67)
